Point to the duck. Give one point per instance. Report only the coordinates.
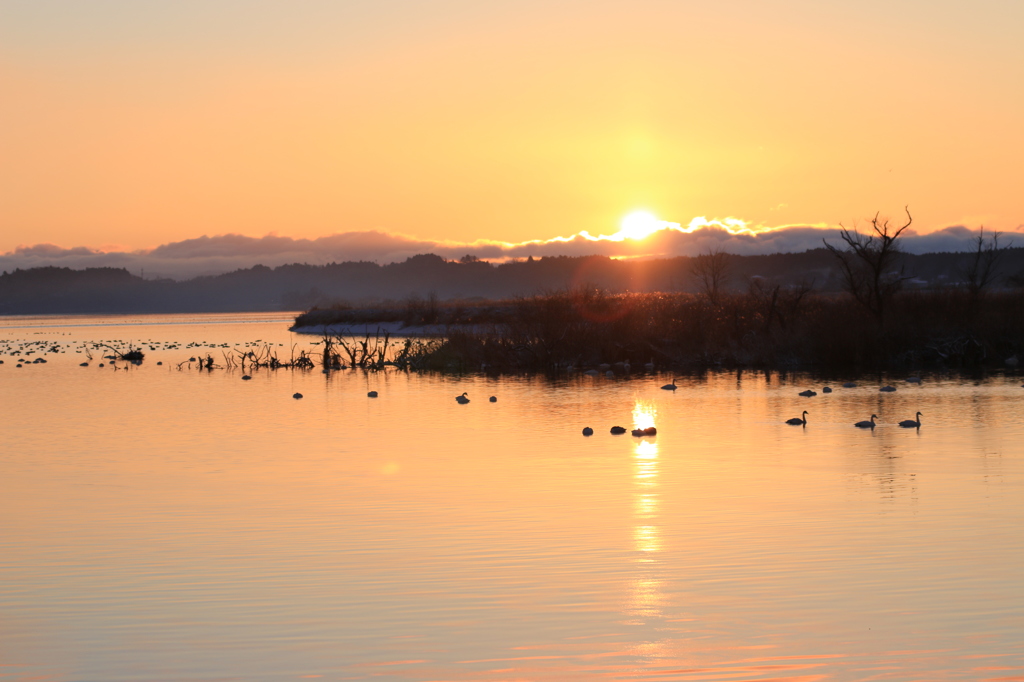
(798, 421)
(462, 399)
(670, 387)
(912, 423)
(867, 424)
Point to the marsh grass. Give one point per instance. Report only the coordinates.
(768, 327)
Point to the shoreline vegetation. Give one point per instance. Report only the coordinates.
(873, 323)
(767, 327)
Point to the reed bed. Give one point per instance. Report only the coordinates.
(771, 328)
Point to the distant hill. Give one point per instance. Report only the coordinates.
(52, 290)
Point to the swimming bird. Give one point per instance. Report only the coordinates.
(887, 389)
(616, 430)
(912, 423)
(493, 398)
(798, 421)
(297, 396)
(867, 424)
(849, 384)
(913, 380)
(808, 393)
(371, 394)
(587, 431)
(827, 389)
(670, 387)
(462, 399)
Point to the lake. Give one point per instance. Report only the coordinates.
(165, 523)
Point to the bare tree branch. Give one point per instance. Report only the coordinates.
(711, 270)
(868, 263)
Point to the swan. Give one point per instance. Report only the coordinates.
(462, 399)
(912, 423)
(670, 387)
(849, 384)
(867, 424)
(827, 389)
(587, 431)
(808, 393)
(493, 398)
(371, 394)
(297, 396)
(618, 430)
(798, 421)
(887, 389)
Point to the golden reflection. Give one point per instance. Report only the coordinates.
(646, 456)
(646, 596)
(644, 414)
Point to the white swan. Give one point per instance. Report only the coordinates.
(867, 424)
(912, 423)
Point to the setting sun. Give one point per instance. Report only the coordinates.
(639, 224)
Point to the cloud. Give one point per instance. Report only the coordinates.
(223, 253)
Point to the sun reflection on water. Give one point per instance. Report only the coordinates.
(645, 594)
(644, 414)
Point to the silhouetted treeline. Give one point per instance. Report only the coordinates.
(53, 290)
(586, 329)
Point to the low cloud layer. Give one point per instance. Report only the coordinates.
(224, 253)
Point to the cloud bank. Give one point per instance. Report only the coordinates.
(224, 253)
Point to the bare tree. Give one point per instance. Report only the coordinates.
(779, 304)
(711, 270)
(982, 264)
(868, 263)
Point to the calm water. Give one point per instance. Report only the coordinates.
(166, 524)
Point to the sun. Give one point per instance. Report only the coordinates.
(638, 225)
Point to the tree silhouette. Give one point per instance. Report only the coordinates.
(868, 263)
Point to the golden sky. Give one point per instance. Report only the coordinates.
(134, 124)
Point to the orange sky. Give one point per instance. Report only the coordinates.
(132, 126)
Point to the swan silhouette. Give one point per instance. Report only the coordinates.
(867, 424)
(462, 399)
(670, 387)
(912, 423)
(798, 421)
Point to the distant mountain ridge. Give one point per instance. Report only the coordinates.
(54, 290)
